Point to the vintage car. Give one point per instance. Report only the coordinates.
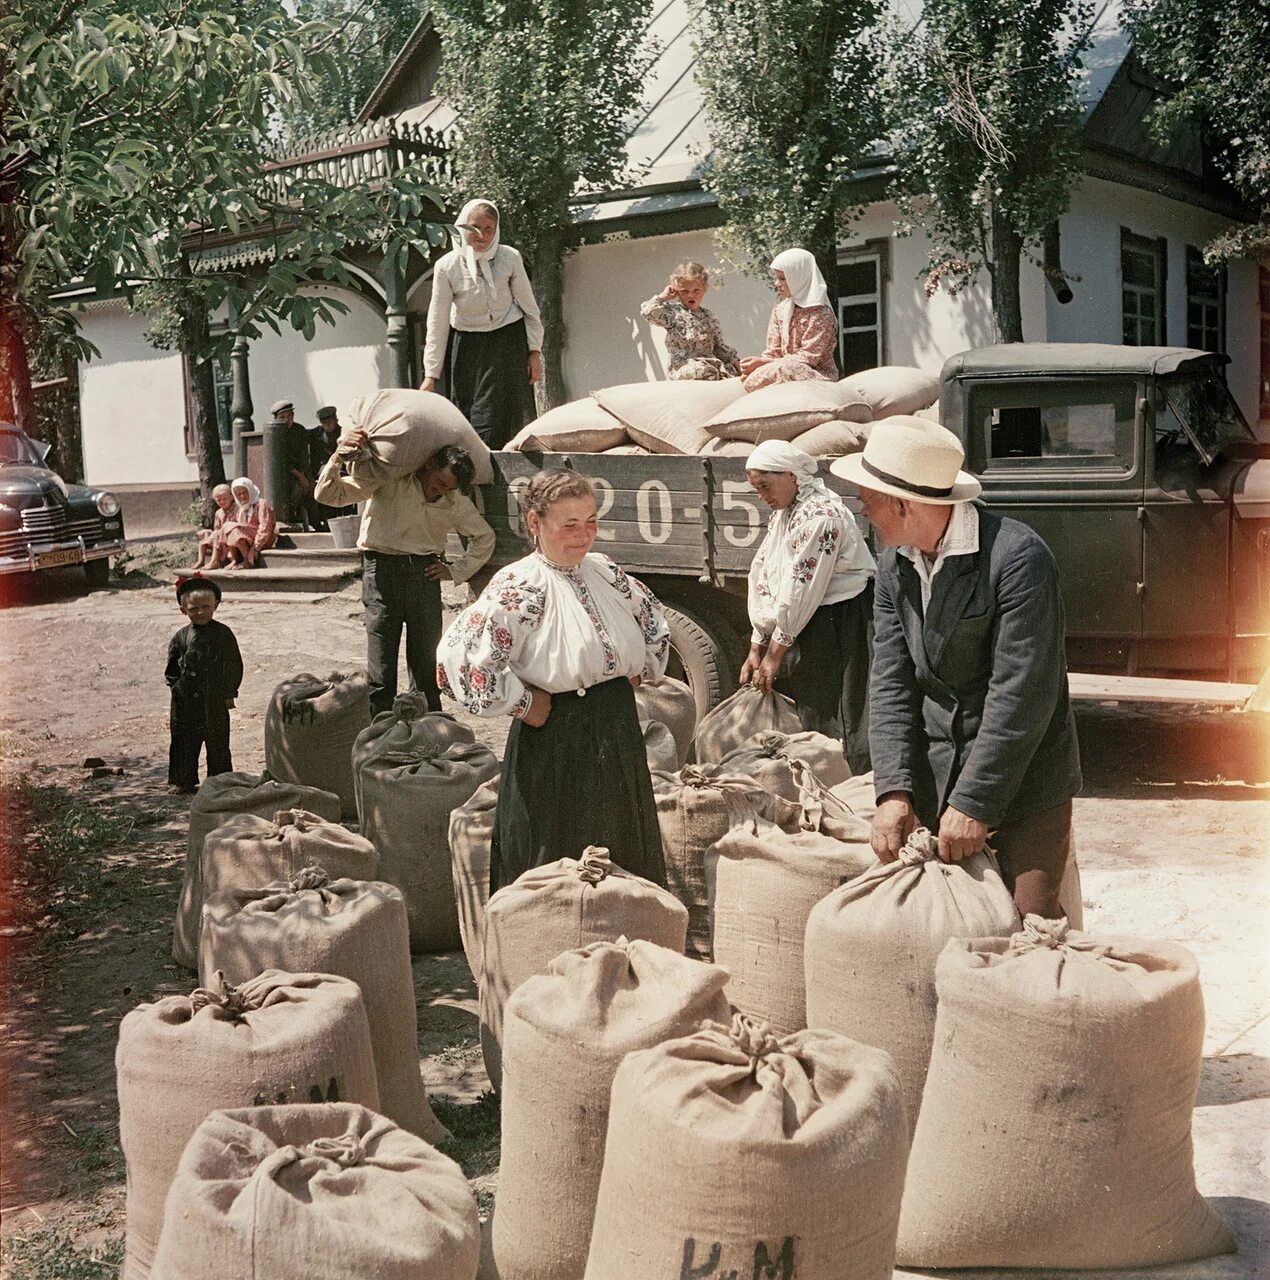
(45, 522)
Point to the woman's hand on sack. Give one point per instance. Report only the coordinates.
(535, 367)
(428, 384)
(767, 672)
(539, 709)
(356, 439)
(751, 665)
(893, 823)
(750, 363)
(636, 681)
(960, 835)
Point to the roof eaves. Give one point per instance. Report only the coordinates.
(390, 77)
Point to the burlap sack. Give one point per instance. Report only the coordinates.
(733, 1153)
(858, 794)
(331, 1192)
(668, 417)
(559, 907)
(408, 726)
(310, 729)
(716, 448)
(280, 1037)
(659, 747)
(670, 702)
(892, 389)
(786, 410)
(225, 796)
(471, 830)
(1060, 1090)
(566, 1032)
(767, 757)
(578, 427)
(407, 799)
(871, 947)
(832, 439)
(248, 852)
(407, 427)
(356, 928)
(738, 718)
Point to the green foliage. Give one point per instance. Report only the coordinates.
(49, 1254)
(791, 111)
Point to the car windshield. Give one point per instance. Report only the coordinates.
(15, 449)
(1208, 412)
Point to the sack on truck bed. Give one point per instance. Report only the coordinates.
(871, 947)
(316, 1193)
(668, 417)
(737, 719)
(406, 428)
(891, 389)
(310, 729)
(281, 1037)
(355, 928)
(225, 796)
(767, 758)
(566, 1032)
(669, 702)
(1061, 1087)
(559, 907)
(733, 1153)
(471, 830)
(578, 427)
(786, 410)
(407, 799)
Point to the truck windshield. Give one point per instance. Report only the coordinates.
(1208, 413)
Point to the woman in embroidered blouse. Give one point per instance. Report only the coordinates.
(251, 529)
(211, 541)
(558, 640)
(802, 334)
(811, 592)
(694, 340)
(481, 295)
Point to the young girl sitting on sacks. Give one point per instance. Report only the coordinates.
(694, 340)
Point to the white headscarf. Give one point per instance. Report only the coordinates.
(254, 494)
(478, 263)
(806, 284)
(780, 455)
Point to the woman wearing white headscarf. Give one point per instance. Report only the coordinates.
(811, 600)
(251, 528)
(482, 296)
(802, 335)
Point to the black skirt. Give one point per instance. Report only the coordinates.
(489, 381)
(580, 779)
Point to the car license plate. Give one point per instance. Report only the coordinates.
(68, 555)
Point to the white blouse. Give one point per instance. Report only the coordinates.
(554, 628)
(813, 555)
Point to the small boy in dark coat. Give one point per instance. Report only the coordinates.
(204, 671)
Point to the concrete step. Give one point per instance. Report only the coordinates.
(294, 540)
(312, 557)
(322, 580)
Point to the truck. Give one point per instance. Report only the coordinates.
(1134, 464)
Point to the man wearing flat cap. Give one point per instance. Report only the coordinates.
(970, 725)
(296, 452)
(324, 439)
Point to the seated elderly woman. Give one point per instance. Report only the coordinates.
(251, 529)
(802, 334)
(211, 542)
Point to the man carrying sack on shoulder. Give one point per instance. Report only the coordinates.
(970, 725)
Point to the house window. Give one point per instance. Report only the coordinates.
(1205, 303)
(860, 308)
(1142, 279)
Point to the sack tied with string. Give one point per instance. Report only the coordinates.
(558, 907)
(225, 796)
(310, 728)
(331, 1192)
(734, 1152)
(670, 702)
(1061, 1086)
(766, 758)
(871, 947)
(355, 928)
(565, 1034)
(471, 830)
(738, 718)
(280, 1037)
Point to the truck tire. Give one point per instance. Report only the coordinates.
(704, 657)
(97, 572)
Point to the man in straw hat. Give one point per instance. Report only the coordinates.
(971, 729)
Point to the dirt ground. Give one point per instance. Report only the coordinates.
(1172, 831)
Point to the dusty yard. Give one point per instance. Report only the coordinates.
(1173, 834)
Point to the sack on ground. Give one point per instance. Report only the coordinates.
(310, 729)
(871, 948)
(558, 907)
(578, 427)
(355, 928)
(659, 748)
(786, 410)
(737, 719)
(733, 1152)
(892, 389)
(767, 758)
(471, 830)
(670, 702)
(1061, 1087)
(280, 1037)
(668, 417)
(330, 1192)
(407, 799)
(406, 428)
(225, 796)
(566, 1032)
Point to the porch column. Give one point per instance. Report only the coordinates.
(240, 405)
(394, 279)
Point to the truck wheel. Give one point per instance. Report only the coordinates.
(701, 657)
(97, 572)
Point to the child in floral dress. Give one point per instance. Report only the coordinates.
(694, 340)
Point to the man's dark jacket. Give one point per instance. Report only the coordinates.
(969, 705)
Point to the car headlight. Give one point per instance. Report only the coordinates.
(107, 504)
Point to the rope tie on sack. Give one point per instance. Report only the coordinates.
(814, 798)
(313, 877)
(772, 745)
(753, 1038)
(921, 846)
(594, 864)
(300, 819)
(223, 995)
(1039, 934)
(409, 707)
(347, 1152)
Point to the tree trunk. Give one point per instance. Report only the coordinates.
(17, 405)
(196, 346)
(1007, 250)
(549, 291)
(825, 250)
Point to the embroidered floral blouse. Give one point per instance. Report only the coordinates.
(808, 354)
(813, 555)
(554, 628)
(690, 335)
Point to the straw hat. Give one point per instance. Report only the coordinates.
(911, 458)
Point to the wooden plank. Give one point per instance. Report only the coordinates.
(1146, 689)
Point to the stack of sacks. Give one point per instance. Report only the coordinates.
(280, 1037)
(733, 1153)
(310, 729)
(566, 1032)
(670, 702)
(669, 417)
(471, 830)
(406, 428)
(821, 418)
(407, 799)
(581, 426)
(738, 718)
(330, 1192)
(225, 796)
(407, 726)
(892, 390)
(871, 947)
(355, 928)
(1060, 1090)
(559, 907)
(769, 758)
(659, 748)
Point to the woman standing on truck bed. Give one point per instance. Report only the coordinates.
(481, 293)
(802, 333)
(558, 640)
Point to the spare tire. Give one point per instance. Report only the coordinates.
(701, 656)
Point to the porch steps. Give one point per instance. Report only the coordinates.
(300, 562)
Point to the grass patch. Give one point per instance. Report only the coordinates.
(50, 1254)
(152, 563)
(474, 1129)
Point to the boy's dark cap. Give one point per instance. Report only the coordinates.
(195, 581)
(326, 411)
